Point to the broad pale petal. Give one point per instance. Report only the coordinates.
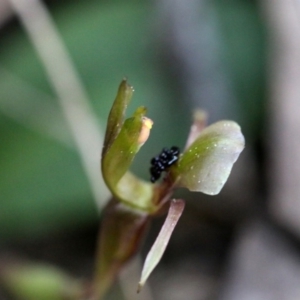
(207, 163)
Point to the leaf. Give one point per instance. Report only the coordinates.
(207, 163)
(122, 232)
(156, 252)
(39, 281)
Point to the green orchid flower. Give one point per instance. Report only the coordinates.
(204, 166)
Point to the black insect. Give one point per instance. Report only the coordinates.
(163, 161)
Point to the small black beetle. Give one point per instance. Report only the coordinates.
(163, 161)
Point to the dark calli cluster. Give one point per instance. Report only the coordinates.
(163, 161)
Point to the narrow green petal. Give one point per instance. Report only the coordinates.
(116, 115)
(117, 160)
(121, 153)
(123, 141)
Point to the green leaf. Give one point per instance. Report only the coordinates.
(32, 281)
(207, 163)
(156, 252)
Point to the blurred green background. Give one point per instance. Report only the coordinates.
(43, 188)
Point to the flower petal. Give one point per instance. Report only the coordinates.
(121, 153)
(116, 115)
(199, 123)
(207, 163)
(161, 242)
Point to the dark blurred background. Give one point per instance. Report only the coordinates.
(60, 66)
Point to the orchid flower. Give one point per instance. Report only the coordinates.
(204, 166)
